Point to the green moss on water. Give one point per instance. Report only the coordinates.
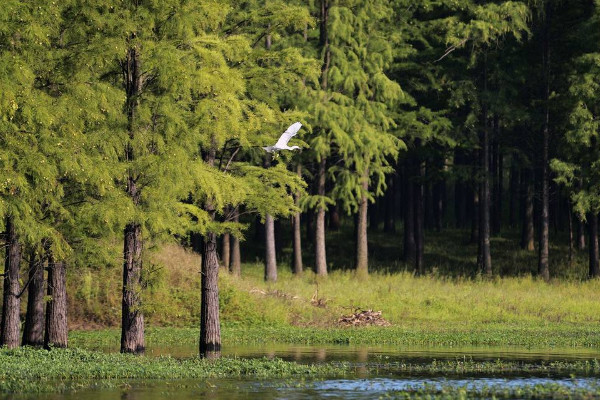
(35, 370)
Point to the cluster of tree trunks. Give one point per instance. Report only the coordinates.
(47, 327)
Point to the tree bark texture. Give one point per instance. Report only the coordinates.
(210, 327)
(132, 317)
(362, 250)
(210, 324)
(56, 309)
(33, 332)
(226, 250)
(270, 252)
(320, 255)
(11, 305)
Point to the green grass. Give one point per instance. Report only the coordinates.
(542, 336)
(173, 298)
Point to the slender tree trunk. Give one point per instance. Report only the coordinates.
(320, 257)
(543, 268)
(210, 325)
(497, 171)
(594, 270)
(320, 252)
(132, 318)
(362, 252)
(235, 267)
(11, 305)
(527, 236)
(226, 250)
(297, 241)
(33, 332)
(419, 220)
(270, 260)
(485, 260)
(410, 249)
(56, 310)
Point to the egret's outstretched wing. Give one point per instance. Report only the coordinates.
(287, 135)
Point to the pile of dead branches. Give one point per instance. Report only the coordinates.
(363, 318)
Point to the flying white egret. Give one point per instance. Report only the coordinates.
(285, 138)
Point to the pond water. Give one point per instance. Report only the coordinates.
(363, 383)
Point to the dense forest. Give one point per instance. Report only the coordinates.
(127, 124)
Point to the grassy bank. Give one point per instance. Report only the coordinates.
(543, 336)
(428, 302)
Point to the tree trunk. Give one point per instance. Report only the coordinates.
(33, 332)
(270, 259)
(527, 235)
(485, 261)
(497, 166)
(132, 318)
(485, 258)
(419, 219)
(410, 249)
(226, 250)
(362, 251)
(235, 267)
(11, 305)
(56, 309)
(594, 270)
(297, 241)
(210, 325)
(543, 268)
(320, 256)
